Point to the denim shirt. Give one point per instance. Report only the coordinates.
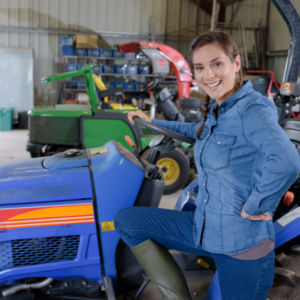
(243, 157)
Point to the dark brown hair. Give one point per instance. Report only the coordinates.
(225, 41)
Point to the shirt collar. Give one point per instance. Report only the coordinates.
(233, 99)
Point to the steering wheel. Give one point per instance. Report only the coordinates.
(164, 131)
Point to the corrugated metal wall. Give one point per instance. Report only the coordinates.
(38, 24)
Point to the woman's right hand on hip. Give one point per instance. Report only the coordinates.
(139, 114)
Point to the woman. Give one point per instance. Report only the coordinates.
(245, 163)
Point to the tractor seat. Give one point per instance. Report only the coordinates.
(191, 103)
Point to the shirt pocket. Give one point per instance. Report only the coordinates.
(218, 151)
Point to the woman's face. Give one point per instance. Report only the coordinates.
(215, 72)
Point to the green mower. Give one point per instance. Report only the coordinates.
(60, 127)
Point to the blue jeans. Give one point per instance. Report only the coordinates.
(239, 279)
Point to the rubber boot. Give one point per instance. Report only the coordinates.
(162, 270)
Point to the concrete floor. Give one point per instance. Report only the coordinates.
(13, 147)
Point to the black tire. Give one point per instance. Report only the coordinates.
(176, 169)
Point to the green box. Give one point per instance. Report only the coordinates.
(6, 118)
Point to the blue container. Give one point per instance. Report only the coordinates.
(79, 66)
(93, 52)
(139, 86)
(119, 84)
(67, 50)
(108, 84)
(132, 69)
(98, 69)
(117, 53)
(129, 86)
(81, 85)
(120, 69)
(108, 69)
(66, 41)
(80, 51)
(105, 52)
(130, 55)
(144, 69)
(6, 118)
(70, 67)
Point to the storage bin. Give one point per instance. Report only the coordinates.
(143, 69)
(6, 118)
(119, 84)
(97, 69)
(117, 53)
(80, 52)
(130, 55)
(108, 69)
(66, 41)
(81, 85)
(129, 86)
(108, 84)
(132, 69)
(67, 50)
(70, 67)
(105, 52)
(93, 52)
(120, 69)
(139, 86)
(79, 66)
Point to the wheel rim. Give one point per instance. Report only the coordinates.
(170, 168)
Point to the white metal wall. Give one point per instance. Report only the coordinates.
(38, 24)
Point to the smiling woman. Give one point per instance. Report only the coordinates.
(245, 164)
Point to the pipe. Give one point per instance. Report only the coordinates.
(16, 288)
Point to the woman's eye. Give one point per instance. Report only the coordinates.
(217, 64)
(198, 68)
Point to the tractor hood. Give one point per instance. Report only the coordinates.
(55, 178)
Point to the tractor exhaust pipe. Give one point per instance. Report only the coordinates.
(24, 286)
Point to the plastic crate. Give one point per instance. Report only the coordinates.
(79, 66)
(129, 86)
(120, 69)
(108, 69)
(67, 50)
(132, 69)
(70, 67)
(81, 85)
(119, 84)
(143, 69)
(98, 69)
(6, 118)
(105, 52)
(130, 55)
(93, 52)
(66, 41)
(80, 51)
(117, 53)
(139, 86)
(108, 84)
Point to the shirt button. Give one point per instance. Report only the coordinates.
(203, 184)
(219, 142)
(205, 200)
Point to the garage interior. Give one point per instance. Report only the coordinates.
(43, 42)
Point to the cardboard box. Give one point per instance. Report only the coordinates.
(86, 41)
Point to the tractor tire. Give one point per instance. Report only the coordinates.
(175, 166)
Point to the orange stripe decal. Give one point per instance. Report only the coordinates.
(45, 216)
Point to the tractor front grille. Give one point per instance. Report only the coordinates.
(29, 252)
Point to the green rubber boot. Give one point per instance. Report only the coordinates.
(162, 270)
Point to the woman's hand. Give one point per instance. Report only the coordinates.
(265, 216)
(139, 114)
